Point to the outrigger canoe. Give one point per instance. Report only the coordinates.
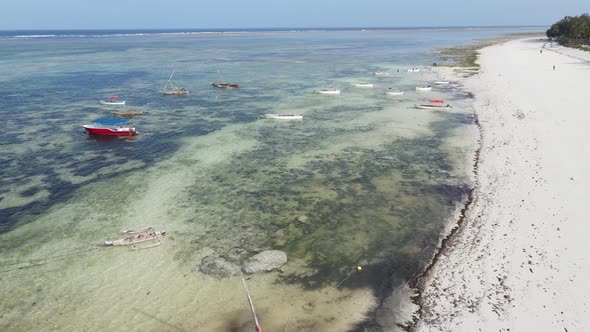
(133, 237)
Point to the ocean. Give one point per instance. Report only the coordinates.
(356, 194)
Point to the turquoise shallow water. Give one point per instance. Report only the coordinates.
(362, 180)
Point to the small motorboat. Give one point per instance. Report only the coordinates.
(110, 127)
(432, 107)
(363, 85)
(225, 85)
(327, 90)
(112, 101)
(394, 93)
(127, 113)
(381, 73)
(284, 116)
(424, 88)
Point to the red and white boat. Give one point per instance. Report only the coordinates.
(110, 127)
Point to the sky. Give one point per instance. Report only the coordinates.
(203, 14)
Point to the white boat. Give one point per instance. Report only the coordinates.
(432, 107)
(381, 73)
(414, 70)
(394, 93)
(441, 83)
(424, 88)
(112, 101)
(329, 90)
(363, 85)
(284, 116)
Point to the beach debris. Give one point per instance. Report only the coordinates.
(265, 261)
(218, 267)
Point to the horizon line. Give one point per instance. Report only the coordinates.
(290, 28)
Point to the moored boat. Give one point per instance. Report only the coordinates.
(110, 127)
(381, 73)
(424, 88)
(442, 83)
(171, 90)
(112, 101)
(225, 85)
(414, 70)
(327, 90)
(432, 107)
(394, 93)
(363, 85)
(127, 113)
(284, 116)
(133, 237)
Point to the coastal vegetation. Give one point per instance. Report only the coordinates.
(572, 31)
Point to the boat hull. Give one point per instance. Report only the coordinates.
(225, 85)
(112, 103)
(424, 88)
(432, 107)
(328, 92)
(394, 93)
(284, 116)
(175, 93)
(103, 131)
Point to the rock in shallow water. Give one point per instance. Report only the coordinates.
(218, 267)
(267, 260)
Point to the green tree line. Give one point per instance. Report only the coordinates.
(571, 30)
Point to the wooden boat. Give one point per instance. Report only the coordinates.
(225, 85)
(171, 90)
(424, 88)
(127, 113)
(284, 116)
(363, 85)
(432, 107)
(327, 90)
(394, 93)
(112, 101)
(133, 237)
(110, 127)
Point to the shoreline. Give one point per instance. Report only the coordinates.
(450, 278)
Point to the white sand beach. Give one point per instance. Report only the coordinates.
(519, 260)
